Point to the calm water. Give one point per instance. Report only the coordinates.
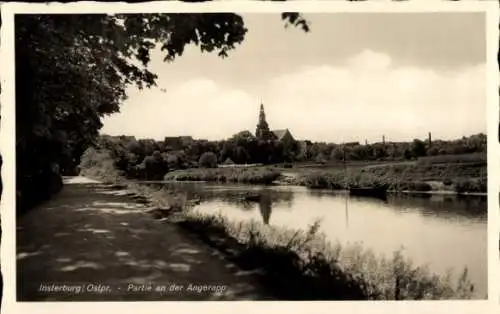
(444, 232)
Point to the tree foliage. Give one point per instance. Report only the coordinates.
(71, 70)
(131, 156)
(208, 160)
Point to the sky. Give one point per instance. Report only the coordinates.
(353, 77)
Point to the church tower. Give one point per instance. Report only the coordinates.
(262, 131)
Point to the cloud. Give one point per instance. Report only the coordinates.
(370, 96)
(366, 98)
(369, 60)
(198, 107)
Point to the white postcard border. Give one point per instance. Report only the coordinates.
(7, 141)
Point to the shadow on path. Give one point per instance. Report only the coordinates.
(103, 244)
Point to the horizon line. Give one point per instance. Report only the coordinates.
(304, 140)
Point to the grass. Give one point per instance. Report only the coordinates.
(303, 265)
(471, 186)
(422, 176)
(253, 175)
(479, 158)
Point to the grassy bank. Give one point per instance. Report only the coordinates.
(251, 175)
(421, 176)
(304, 265)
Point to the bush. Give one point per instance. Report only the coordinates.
(235, 175)
(208, 160)
(471, 186)
(398, 177)
(98, 163)
(302, 264)
(479, 158)
(414, 186)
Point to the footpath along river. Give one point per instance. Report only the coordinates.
(88, 243)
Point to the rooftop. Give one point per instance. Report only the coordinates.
(279, 133)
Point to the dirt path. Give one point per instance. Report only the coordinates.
(104, 244)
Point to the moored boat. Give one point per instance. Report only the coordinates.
(378, 192)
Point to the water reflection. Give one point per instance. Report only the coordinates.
(441, 230)
(265, 206)
(247, 198)
(264, 199)
(442, 206)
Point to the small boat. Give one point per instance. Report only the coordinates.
(378, 192)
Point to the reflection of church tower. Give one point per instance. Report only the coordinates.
(265, 206)
(262, 132)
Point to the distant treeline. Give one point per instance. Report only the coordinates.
(150, 159)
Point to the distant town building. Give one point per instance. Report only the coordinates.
(177, 142)
(264, 133)
(283, 135)
(128, 138)
(350, 144)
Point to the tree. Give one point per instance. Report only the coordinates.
(71, 70)
(208, 160)
(173, 159)
(379, 151)
(228, 150)
(243, 137)
(154, 166)
(320, 158)
(418, 148)
(134, 147)
(337, 153)
(241, 155)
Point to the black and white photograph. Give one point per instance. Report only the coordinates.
(244, 155)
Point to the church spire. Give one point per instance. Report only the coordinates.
(262, 131)
(262, 115)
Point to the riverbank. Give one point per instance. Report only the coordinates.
(250, 175)
(439, 175)
(313, 267)
(419, 177)
(303, 265)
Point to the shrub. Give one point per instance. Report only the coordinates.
(98, 163)
(235, 175)
(447, 159)
(208, 160)
(302, 264)
(414, 186)
(471, 186)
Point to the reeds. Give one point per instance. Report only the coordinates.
(302, 264)
(253, 175)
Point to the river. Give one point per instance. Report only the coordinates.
(442, 231)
